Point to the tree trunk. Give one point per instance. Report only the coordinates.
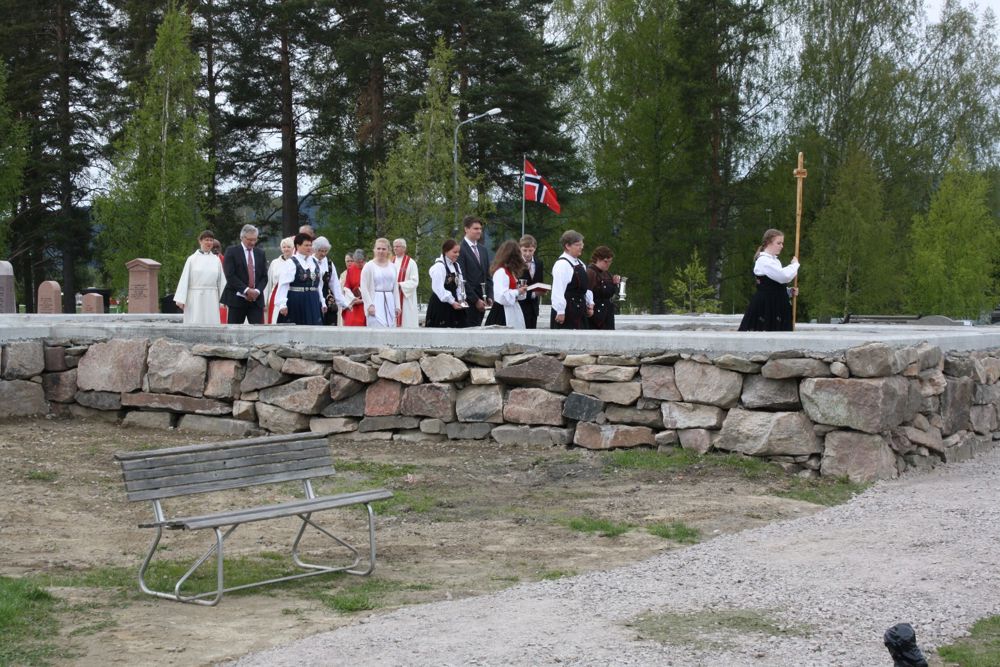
(65, 124)
(212, 90)
(289, 171)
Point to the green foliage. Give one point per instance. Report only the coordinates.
(822, 491)
(650, 459)
(13, 157)
(155, 205)
(414, 188)
(689, 291)
(853, 256)
(954, 247)
(26, 616)
(676, 531)
(602, 527)
(980, 649)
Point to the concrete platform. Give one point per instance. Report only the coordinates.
(710, 334)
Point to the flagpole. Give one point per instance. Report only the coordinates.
(800, 175)
(524, 157)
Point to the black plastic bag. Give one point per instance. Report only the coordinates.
(901, 641)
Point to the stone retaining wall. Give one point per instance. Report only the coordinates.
(871, 412)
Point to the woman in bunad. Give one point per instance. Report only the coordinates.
(299, 299)
(770, 308)
(572, 302)
(355, 317)
(333, 296)
(604, 287)
(273, 271)
(507, 268)
(444, 309)
(379, 289)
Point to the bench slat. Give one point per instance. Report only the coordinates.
(277, 511)
(227, 484)
(158, 460)
(321, 452)
(245, 442)
(245, 475)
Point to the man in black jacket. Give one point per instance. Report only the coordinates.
(533, 273)
(474, 260)
(246, 275)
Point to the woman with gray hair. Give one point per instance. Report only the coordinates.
(329, 282)
(572, 301)
(355, 316)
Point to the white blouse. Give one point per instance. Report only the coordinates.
(438, 273)
(562, 275)
(769, 265)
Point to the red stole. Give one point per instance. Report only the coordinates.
(403, 265)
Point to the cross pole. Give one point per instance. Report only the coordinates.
(800, 175)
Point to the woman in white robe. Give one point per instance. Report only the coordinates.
(274, 270)
(200, 287)
(379, 289)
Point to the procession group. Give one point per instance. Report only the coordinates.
(302, 286)
(469, 286)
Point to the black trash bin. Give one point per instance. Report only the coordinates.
(167, 305)
(104, 292)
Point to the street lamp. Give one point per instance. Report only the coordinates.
(492, 112)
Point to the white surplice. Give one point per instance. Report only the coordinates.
(200, 288)
(408, 288)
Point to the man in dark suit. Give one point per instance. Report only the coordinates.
(533, 273)
(246, 275)
(474, 260)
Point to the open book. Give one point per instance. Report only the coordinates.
(539, 287)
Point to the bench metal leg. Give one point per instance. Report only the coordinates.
(349, 569)
(176, 595)
(212, 598)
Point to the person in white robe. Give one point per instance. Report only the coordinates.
(379, 289)
(200, 286)
(274, 269)
(408, 279)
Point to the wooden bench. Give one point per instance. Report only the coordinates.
(159, 474)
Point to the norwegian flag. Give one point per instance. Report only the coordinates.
(538, 189)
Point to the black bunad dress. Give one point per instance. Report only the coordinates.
(441, 315)
(770, 308)
(303, 304)
(604, 291)
(330, 316)
(575, 316)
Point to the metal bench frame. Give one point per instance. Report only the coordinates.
(182, 471)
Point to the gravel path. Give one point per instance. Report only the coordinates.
(924, 549)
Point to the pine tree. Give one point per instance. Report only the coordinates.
(156, 200)
(414, 187)
(853, 257)
(13, 156)
(690, 291)
(954, 247)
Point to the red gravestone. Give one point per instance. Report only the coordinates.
(143, 288)
(8, 300)
(49, 298)
(93, 304)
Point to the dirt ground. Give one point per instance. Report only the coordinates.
(468, 518)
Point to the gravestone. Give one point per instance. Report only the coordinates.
(49, 298)
(93, 303)
(8, 300)
(143, 288)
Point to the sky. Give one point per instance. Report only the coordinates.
(934, 7)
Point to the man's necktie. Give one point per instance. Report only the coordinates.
(250, 270)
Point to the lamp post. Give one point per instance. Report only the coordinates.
(492, 112)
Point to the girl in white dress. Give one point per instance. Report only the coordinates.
(507, 268)
(379, 289)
